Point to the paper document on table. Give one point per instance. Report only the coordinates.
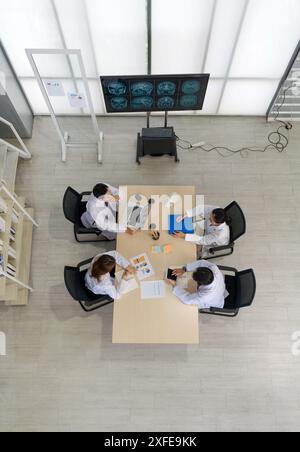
(143, 266)
(153, 290)
(131, 283)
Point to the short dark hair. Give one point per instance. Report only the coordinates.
(203, 276)
(105, 264)
(220, 216)
(100, 190)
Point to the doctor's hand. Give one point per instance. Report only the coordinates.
(131, 270)
(126, 276)
(131, 231)
(179, 235)
(179, 272)
(181, 218)
(171, 283)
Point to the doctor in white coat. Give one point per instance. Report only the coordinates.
(211, 292)
(98, 278)
(101, 213)
(212, 228)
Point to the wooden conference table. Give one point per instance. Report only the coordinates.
(162, 321)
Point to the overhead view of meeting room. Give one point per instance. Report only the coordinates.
(149, 216)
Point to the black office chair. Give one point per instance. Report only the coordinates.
(242, 289)
(238, 228)
(75, 284)
(74, 207)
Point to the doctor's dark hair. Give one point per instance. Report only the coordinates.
(105, 264)
(221, 217)
(203, 276)
(100, 190)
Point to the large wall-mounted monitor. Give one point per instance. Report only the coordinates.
(130, 94)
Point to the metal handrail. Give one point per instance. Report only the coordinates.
(284, 78)
(24, 152)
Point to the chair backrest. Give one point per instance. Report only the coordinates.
(75, 285)
(71, 205)
(238, 221)
(245, 288)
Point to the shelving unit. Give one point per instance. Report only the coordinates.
(16, 248)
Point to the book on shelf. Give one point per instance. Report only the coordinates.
(3, 205)
(14, 218)
(11, 269)
(12, 253)
(2, 225)
(11, 273)
(1, 264)
(13, 231)
(14, 211)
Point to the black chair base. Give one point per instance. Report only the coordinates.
(214, 251)
(220, 312)
(83, 231)
(95, 306)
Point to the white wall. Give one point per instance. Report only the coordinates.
(244, 44)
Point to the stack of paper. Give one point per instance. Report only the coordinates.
(131, 284)
(153, 290)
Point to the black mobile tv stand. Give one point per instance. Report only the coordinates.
(157, 141)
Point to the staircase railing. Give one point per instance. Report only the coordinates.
(284, 80)
(23, 152)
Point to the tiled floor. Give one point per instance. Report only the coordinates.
(62, 372)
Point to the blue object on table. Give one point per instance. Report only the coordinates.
(186, 226)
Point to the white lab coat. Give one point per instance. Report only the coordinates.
(213, 235)
(106, 286)
(102, 214)
(206, 297)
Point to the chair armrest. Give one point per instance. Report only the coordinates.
(221, 248)
(84, 263)
(227, 269)
(86, 193)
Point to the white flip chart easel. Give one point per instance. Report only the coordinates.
(63, 135)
